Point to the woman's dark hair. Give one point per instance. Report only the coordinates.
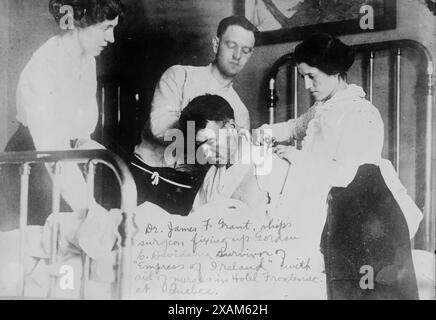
(325, 52)
(88, 12)
(203, 109)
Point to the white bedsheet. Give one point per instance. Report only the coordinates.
(240, 256)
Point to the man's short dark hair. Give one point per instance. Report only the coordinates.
(203, 109)
(235, 21)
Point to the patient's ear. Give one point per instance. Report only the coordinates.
(215, 44)
(230, 124)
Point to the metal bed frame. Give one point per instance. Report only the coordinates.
(90, 158)
(369, 51)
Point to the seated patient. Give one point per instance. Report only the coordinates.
(174, 189)
(234, 178)
(217, 167)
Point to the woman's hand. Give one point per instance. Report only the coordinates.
(286, 152)
(262, 135)
(270, 133)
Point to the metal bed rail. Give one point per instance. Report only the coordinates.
(90, 158)
(369, 51)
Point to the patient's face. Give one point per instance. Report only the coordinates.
(217, 143)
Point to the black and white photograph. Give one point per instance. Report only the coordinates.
(205, 151)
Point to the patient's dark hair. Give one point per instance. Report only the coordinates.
(235, 21)
(325, 52)
(203, 109)
(88, 12)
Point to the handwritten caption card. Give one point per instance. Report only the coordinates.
(223, 255)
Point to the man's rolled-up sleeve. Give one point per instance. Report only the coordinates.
(166, 105)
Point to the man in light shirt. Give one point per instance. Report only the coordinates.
(233, 47)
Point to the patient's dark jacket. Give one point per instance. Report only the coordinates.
(174, 190)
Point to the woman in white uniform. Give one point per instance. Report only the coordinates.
(56, 104)
(335, 182)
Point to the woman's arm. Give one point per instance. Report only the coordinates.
(358, 140)
(284, 131)
(166, 104)
(37, 96)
